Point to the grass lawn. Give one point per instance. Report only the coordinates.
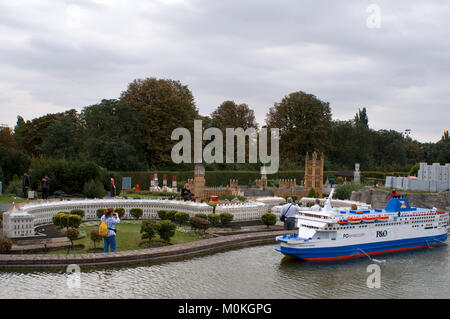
(406, 192)
(139, 196)
(128, 238)
(10, 200)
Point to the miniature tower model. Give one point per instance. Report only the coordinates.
(164, 180)
(314, 173)
(174, 183)
(263, 178)
(199, 180)
(152, 181)
(156, 179)
(357, 175)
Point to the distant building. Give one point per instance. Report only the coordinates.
(314, 173)
(430, 178)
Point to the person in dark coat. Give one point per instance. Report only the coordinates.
(45, 187)
(26, 184)
(186, 193)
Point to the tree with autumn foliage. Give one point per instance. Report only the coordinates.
(304, 123)
(167, 105)
(232, 115)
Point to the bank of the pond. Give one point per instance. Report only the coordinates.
(166, 253)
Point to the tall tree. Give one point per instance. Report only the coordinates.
(7, 138)
(232, 115)
(167, 104)
(361, 118)
(114, 135)
(304, 122)
(63, 138)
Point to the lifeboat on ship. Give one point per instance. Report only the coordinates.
(369, 219)
(382, 218)
(342, 222)
(354, 220)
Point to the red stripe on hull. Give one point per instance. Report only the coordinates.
(372, 253)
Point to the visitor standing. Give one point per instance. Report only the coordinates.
(316, 207)
(186, 192)
(111, 219)
(288, 212)
(113, 187)
(45, 187)
(26, 185)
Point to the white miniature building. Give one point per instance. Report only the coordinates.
(430, 178)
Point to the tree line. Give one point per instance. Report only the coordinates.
(133, 133)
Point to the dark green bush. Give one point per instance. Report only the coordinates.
(181, 217)
(57, 219)
(78, 212)
(226, 218)
(166, 229)
(100, 212)
(74, 221)
(136, 212)
(94, 189)
(214, 219)
(149, 228)
(269, 219)
(120, 211)
(5, 245)
(312, 193)
(344, 191)
(170, 215)
(162, 214)
(201, 215)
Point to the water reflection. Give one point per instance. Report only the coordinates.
(254, 272)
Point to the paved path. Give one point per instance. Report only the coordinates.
(166, 253)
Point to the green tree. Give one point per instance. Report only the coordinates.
(232, 115)
(304, 123)
(226, 219)
(114, 135)
(167, 105)
(166, 229)
(63, 138)
(7, 138)
(149, 228)
(72, 234)
(95, 237)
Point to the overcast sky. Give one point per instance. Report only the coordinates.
(57, 55)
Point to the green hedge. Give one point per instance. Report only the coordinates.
(222, 178)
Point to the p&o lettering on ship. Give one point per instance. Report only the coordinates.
(382, 233)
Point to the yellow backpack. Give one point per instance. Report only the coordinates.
(103, 229)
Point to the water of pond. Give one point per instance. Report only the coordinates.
(253, 272)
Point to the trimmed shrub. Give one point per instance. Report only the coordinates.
(162, 214)
(95, 237)
(149, 228)
(78, 212)
(120, 211)
(199, 224)
(100, 212)
(226, 218)
(170, 215)
(269, 219)
(57, 219)
(94, 189)
(74, 221)
(312, 193)
(201, 215)
(136, 213)
(5, 245)
(214, 219)
(166, 229)
(344, 191)
(181, 217)
(72, 234)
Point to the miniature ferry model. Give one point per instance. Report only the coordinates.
(332, 234)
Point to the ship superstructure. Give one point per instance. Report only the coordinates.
(334, 234)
